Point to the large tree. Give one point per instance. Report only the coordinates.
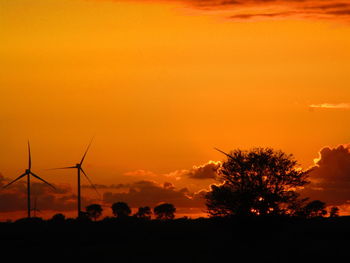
(260, 181)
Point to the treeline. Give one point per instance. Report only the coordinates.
(122, 210)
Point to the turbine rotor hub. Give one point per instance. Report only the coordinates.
(27, 171)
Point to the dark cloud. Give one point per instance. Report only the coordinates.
(269, 15)
(149, 193)
(330, 177)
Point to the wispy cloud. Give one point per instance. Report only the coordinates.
(271, 9)
(268, 9)
(345, 106)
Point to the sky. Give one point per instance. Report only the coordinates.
(159, 84)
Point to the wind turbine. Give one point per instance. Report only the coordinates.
(80, 170)
(29, 173)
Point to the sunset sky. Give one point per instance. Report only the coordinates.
(159, 84)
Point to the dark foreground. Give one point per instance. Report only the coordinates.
(202, 240)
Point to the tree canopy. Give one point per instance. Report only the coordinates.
(143, 212)
(121, 209)
(260, 181)
(165, 211)
(94, 211)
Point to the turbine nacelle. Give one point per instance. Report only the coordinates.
(78, 165)
(27, 171)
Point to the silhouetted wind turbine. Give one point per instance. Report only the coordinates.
(29, 173)
(79, 168)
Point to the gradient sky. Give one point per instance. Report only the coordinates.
(160, 84)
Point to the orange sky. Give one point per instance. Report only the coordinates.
(160, 84)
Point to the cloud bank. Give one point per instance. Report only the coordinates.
(330, 177)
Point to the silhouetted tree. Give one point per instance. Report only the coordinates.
(143, 213)
(121, 209)
(94, 211)
(315, 208)
(296, 206)
(84, 217)
(256, 182)
(334, 212)
(165, 211)
(58, 217)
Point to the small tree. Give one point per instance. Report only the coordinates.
(121, 209)
(58, 218)
(165, 211)
(144, 213)
(334, 212)
(315, 208)
(256, 182)
(94, 211)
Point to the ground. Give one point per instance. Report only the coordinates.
(201, 240)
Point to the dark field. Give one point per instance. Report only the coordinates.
(181, 240)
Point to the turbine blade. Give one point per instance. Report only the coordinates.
(228, 155)
(82, 160)
(60, 168)
(19, 177)
(29, 157)
(37, 177)
(93, 186)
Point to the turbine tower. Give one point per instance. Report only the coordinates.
(29, 173)
(35, 209)
(80, 170)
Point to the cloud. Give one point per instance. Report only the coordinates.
(330, 106)
(205, 171)
(248, 9)
(330, 177)
(272, 9)
(150, 193)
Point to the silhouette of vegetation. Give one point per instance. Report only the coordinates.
(261, 181)
(296, 206)
(58, 218)
(84, 217)
(94, 211)
(315, 208)
(164, 211)
(144, 213)
(334, 212)
(255, 239)
(121, 210)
